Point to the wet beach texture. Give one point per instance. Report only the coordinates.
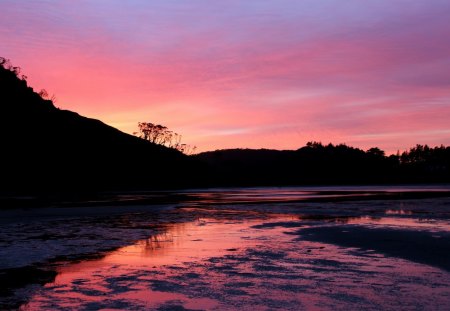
(265, 249)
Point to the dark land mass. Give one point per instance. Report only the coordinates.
(48, 150)
(330, 164)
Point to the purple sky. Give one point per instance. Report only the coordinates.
(272, 74)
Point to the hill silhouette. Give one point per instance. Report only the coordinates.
(316, 163)
(48, 149)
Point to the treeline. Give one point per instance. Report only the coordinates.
(316, 163)
(425, 164)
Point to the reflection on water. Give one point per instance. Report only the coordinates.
(402, 223)
(268, 194)
(289, 194)
(184, 242)
(180, 244)
(326, 248)
(398, 212)
(249, 263)
(408, 223)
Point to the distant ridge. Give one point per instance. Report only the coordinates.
(44, 148)
(318, 164)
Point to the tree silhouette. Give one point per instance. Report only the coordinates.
(6, 64)
(376, 152)
(161, 135)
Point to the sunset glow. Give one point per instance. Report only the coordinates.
(235, 74)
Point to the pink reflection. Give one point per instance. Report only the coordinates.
(185, 242)
(397, 212)
(180, 244)
(154, 298)
(401, 222)
(225, 264)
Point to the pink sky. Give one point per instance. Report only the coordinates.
(257, 74)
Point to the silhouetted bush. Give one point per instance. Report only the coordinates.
(161, 135)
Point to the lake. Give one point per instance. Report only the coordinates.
(287, 248)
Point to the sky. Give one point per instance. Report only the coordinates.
(236, 74)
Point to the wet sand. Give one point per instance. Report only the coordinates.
(335, 255)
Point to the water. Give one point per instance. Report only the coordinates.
(334, 248)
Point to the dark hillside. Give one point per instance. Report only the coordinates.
(44, 148)
(313, 164)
